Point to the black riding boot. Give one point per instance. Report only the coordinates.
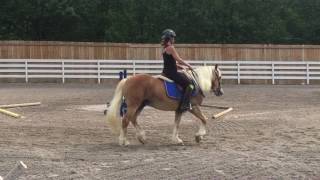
(185, 100)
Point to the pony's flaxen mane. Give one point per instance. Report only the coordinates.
(205, 77)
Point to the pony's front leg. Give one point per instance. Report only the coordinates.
(175, 135)
(202, 128)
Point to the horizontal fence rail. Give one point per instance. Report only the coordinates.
(109, 69)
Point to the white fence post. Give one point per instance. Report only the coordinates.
(238, 66)
(308, 73)
(134, 67)
(272, 65)
(62, 65)
(26, 70)
(98, 62)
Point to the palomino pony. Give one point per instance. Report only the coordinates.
(141, 90)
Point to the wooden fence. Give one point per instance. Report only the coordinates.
(124, 51)
(273, 71)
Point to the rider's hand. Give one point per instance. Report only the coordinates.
(184, 68)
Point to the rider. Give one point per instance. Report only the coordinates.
(171, 61)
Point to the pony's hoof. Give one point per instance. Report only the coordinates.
(142, 140)
(177, 141)
(141, 137)
(198, 138)
(124, 143)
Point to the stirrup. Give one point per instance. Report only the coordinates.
(185, 108)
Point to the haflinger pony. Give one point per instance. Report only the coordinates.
(141, 90)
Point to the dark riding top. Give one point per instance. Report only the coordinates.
(170, 67)
(170, 70)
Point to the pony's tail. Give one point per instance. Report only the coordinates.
(113, 114)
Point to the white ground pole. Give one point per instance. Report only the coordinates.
(20, 105)
(16, 171)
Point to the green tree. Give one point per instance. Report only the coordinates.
(142, 21)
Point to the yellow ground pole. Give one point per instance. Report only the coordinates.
(215, 116)
(9, 113)
(222, 113)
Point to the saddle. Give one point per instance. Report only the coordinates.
(174, 90)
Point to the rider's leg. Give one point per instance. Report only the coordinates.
(184, 81)
(185, 100)
(186, 84)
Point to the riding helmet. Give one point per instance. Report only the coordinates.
(168, 34)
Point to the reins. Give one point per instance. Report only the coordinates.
(196, 79)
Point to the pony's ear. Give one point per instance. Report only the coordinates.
(216, 67)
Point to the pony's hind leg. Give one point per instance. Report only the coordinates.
(175, 134)
(123, 131)
(139, 132)
(202, 128)
(128, 116)
(141, 136)
(131, 116)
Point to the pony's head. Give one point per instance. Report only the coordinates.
(210, 79)
(216, 81)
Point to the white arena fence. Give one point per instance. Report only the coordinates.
(109, 69)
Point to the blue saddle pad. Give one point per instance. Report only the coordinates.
(173, 91)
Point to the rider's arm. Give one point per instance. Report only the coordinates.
(176, 56)
(180, 66)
